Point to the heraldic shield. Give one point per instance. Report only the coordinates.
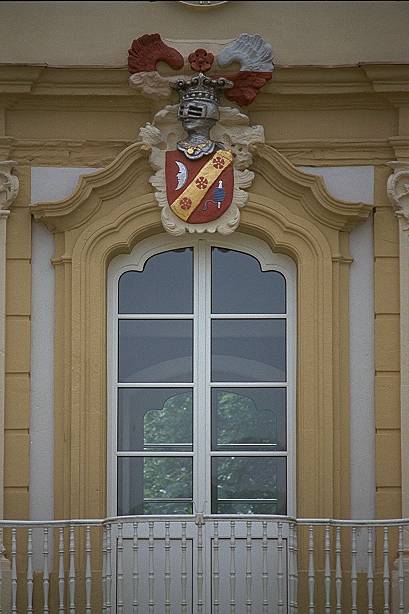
(199, 191)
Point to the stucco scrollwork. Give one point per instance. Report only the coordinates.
(398, 189)
(9, 184)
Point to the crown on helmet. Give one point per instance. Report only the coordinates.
(199, 96)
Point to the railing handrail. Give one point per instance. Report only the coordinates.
(203, 517)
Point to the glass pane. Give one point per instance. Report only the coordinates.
(154, 419)
(249, 485)
(151, 483)
(248, 350)
(240, 286)
(249, 419)
(155, 350)
(164, 286)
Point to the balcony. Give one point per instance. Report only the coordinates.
(205, 565)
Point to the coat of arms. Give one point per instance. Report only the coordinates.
(200, 150)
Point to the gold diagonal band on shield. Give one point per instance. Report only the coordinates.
(184, 205)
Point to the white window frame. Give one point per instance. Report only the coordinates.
(135, 260)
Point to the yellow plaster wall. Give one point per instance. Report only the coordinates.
(387, 356)
(18, 353)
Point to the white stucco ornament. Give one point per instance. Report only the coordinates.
(9, 184)
(234, 132)
(201, 151)
(398, 188)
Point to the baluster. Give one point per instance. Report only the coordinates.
(88, 573)
(249, 573)
(167, 568)
(265, 569)
(104, 569)
(46, 573)
(199, 522)
(370, 574)
(14, 570)
(61, 576)
(109, 570)
(401, 576)
(2, 551)
(311, 572)
(386, 573)
(338, 571)
(71, 573)
(135, 573)
(280, 567)
(327, 570)
(183, 572)
(151, 571)
(29, 571)
(232, 573)
(354, 576)
(120, 571)
(216, 571)
(295, 543)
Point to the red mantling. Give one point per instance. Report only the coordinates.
(150, 49)
(246, 86)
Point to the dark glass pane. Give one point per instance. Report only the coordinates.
(144, 483)
(242, 485)
(155, 350)
(249, 419)
(154, 419)
(164, 286)
(248, 350)
(240, 286)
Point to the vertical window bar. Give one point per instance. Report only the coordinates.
(327, 572)
(280, 567)
(265, 568)
(29, 571)
(183, 569)
(13, 570)
(401, 574)
(338, 571)
(46, 573)
(216, 570)
(249, 572)
(61, 575)
(232, 568)
(151, 569)
(311, 571)
(135, 572)
(71, 572)
(354, 575)
(386, 572)
(88, 573)
(370, 573)
(167, 568)
(120, 571)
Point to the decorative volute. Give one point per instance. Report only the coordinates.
(398, 188)
(9, 184)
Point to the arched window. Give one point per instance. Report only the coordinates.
(201, 378)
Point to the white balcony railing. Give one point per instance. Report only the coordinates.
(205, 565)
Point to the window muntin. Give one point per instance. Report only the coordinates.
(205, 464)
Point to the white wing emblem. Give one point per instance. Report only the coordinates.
(182, 175)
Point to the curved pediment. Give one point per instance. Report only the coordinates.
(127, 177)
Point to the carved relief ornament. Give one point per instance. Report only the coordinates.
(9, 184)
(201, 151)
(398, 189)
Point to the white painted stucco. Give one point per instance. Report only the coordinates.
(46, 184)
(356, 184)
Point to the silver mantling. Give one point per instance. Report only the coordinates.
(199, 111)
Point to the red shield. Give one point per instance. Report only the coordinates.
(199, 191)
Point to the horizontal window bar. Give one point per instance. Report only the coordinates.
(246, 500)
(247, 384)
(249, 316)
(155, 316)
(153, 453)
(153, 385)
(233, 453)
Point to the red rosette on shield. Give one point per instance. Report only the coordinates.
(199, 191)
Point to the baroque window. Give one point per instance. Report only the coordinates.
(201, 368)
